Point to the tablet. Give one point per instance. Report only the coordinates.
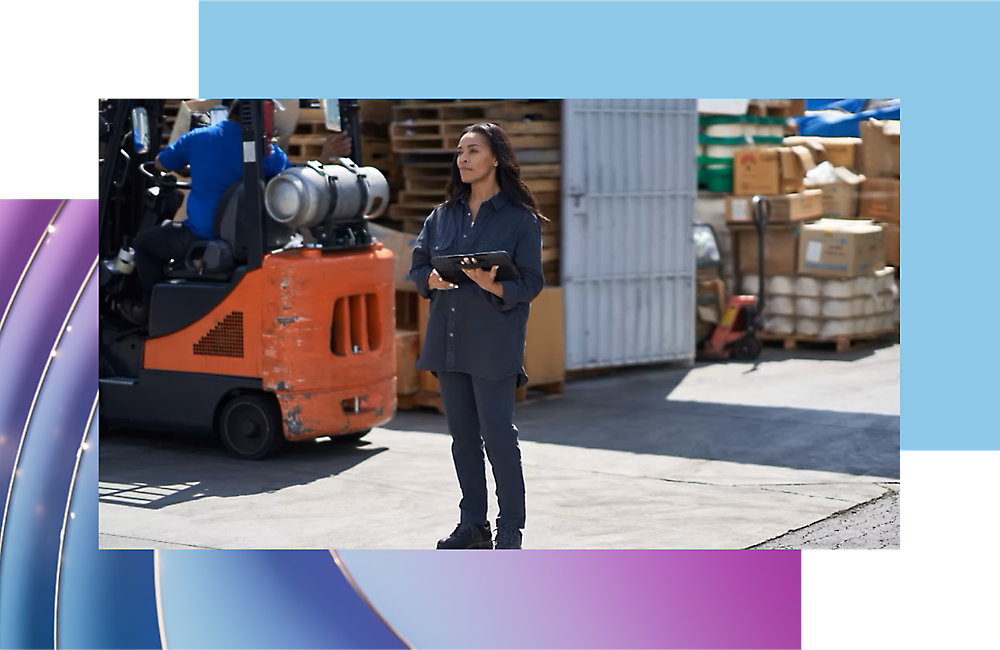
(449, 267)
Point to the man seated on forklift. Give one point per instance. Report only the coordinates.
(215, 156)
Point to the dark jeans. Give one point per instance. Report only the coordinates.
(154, 247)
(481, 410)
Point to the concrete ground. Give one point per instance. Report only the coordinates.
(870, 525)
(721, 455)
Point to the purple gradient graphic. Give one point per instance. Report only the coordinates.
(24, 222)
(36, 317)
(42, 483)
(107, 599)
(586, 599)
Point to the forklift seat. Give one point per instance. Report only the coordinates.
(215, 260)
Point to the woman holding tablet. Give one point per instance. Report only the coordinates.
(474, 342)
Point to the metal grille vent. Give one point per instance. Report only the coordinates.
(225, 339)
(357, 325)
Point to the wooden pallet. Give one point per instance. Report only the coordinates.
(299, 153)
(420, 400)
(426, 183)
(431, 136)
(478, 110)
(841, 343)
(543, 185)
(544, 170)
(411, 221)
(538, 392)
(427, 160)
(439, 111)
(421, 198)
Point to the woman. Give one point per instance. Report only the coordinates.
(474, 342)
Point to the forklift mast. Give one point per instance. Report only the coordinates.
(252, 117)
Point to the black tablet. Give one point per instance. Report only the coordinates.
(449, 267)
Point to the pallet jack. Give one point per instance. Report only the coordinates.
(736, 334)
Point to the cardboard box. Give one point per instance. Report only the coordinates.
(892, 244)
(841, 248)
(426, 381)
(779, 170)
(880, 148)
(840, 200)
(780, 249)
(795, 162)
(756, 171)
(407, 351)
(706, 273)
(880, 199)
(711, 301)
(840, 152)
(545, 342)
(401, 244)
(182, 123)
(800, 206)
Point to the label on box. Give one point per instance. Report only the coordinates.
(739, 210)
(814, 251)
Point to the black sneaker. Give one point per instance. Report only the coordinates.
(508, 537)
(468, 536)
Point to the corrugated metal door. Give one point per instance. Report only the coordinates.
(629, 189)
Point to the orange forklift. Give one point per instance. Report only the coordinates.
(282, 328)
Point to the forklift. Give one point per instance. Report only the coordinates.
(279, 329)
(736, 334)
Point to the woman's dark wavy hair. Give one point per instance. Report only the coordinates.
(508, 171)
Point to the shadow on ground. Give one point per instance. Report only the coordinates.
(629, 411)
(203, 465)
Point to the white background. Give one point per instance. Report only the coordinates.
(939, 591)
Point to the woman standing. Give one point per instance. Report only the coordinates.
(474, 342)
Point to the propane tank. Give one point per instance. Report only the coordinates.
(313, 194)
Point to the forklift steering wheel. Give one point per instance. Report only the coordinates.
(161, 178)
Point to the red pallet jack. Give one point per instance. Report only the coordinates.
(736, 334)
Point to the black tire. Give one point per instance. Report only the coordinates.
(250, 426)
(747, 348)
(351, 438)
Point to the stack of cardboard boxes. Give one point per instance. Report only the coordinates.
(880, 190)
(825, 277)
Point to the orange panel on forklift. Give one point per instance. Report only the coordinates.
(327, 339)
(224, 342)
(316, 327)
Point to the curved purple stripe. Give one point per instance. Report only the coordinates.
(107, 599)
(41, 486)
(264, 599)
(23, 221)
(35, 319)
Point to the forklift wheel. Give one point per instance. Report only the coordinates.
(250, 426)
(747, 348)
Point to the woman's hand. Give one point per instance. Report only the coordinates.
(484, 278)
(435, 281)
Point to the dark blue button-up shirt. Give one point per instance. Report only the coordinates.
(469, 329)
